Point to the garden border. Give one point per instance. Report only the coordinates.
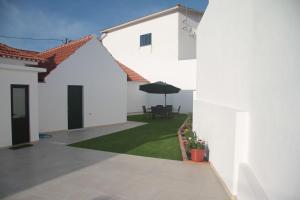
(182, 148)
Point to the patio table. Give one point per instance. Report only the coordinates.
(161, 111)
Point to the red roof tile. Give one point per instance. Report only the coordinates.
(58, 54)
(10, 52)
(131, 75)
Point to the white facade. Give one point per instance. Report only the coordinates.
(247, 102)
(17, 75)
(104, 89)
(170, 57)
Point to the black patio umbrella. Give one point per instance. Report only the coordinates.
(159, 88)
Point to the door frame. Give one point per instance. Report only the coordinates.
(82, 106)
(27, 109)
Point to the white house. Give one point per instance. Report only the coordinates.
(83, 87)
(247, 100)
(19, 96)
(161, 47)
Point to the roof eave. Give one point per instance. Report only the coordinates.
(21, 68)
(171, 10)
(23, 58)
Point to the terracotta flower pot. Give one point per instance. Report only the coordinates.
(197, 155)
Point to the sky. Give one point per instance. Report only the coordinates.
(60, 19)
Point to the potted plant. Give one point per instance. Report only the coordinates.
(197, 149)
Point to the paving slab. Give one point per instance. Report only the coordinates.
(50, 170)
(72, 136)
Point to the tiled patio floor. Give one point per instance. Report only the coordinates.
(52, 170)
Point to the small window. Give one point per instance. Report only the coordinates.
(145, 39)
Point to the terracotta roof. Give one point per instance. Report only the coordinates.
(10, 52)
(58, 54)
(131, 75)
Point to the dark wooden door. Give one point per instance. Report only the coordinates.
(75, 110)
(20, 114)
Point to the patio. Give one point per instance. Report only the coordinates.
(52, 170)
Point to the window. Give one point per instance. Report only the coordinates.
(145, 39)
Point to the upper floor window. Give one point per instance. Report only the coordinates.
(145, 39)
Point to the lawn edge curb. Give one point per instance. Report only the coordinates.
(182, 148)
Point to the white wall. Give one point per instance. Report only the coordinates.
(164, 39)
(158, 62)
(248, 59)
(17, 76)
(225, 129)
(187, 26)
(135, 97)
(104, 89)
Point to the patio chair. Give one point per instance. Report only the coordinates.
(153, 111)
(145, 112)
(144, 109)
(161, 111)
(169, 110)
(178, 111)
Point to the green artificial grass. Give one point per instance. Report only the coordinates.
(156, 139)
